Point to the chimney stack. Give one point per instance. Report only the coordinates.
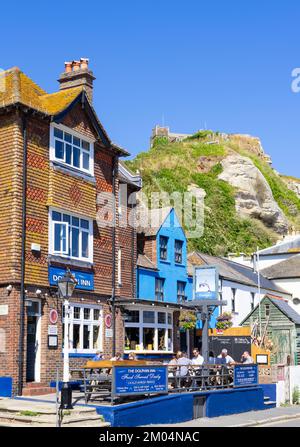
(77, 74)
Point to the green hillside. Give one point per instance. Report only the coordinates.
(195, 161)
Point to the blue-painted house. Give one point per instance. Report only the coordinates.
(163, 285)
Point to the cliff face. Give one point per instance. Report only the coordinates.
(253, 196)
(293, 184)
(247, 203)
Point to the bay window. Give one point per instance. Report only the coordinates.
(85, 328)
(70, 236)
(149, 330)
(71, 149)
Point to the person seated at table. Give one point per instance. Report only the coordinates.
(132, 356)
(117, 357)
(172, 368)
(226, 357)
(98, 356)
(247, 359)
(197, 359)
(184, 364)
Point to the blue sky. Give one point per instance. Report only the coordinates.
(224, 65)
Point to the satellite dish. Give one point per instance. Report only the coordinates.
(296, 301)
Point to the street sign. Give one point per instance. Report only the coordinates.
(129, 380)
(108, 320)
(206, 283)
(53, 316)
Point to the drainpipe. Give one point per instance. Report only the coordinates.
(115, 161)
(22, 286)
(133, 237)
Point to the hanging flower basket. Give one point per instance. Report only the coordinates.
(187, 320)
(224, 321)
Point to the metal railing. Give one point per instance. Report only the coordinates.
(181, 378)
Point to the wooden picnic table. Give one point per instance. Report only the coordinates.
(97, 376)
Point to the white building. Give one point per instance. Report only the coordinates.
(238, 285)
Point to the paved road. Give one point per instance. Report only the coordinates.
(252, 418)
(291, 423)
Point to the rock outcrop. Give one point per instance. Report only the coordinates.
(253, 196)
(293, 185)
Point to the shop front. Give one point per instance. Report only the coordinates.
(150, 331)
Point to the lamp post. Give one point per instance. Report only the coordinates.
(66, 286)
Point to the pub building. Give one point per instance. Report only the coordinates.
(56, 162)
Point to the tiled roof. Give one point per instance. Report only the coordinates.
(289, 268)
(291, 246)
(233, 271)
(145, 262)
(19, 88)
(151, 220)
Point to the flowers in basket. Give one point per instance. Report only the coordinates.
(187, 320)
(224, 321)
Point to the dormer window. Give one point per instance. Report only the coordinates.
(71, 149)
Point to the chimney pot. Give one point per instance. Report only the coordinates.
(68, 67)
(84, 63)
(77, 74)
(76, 65)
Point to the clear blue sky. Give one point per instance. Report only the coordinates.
(221, 64)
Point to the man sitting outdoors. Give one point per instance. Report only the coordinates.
(224, 356)
(247, 359)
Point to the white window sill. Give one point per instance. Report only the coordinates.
(70, 261)
(66, 169)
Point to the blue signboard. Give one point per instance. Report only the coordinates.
(85, 280)
(245, 375)
(129, 380)
(206, 283)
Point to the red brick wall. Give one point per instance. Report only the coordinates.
(48, 187)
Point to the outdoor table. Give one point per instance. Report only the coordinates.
(97, 376)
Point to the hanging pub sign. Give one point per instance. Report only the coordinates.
(206, 283)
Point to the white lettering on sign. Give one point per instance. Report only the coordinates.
(4, 309)
(108, 333)
(52, 330)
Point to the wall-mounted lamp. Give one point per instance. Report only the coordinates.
(9, 288)
(38, 292)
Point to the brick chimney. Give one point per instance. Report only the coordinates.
(77, 74)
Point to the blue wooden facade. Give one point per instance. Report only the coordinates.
(169, 267)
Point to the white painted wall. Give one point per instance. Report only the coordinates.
(294, 380)
(280, 393)
(292, 286)
(243, 299)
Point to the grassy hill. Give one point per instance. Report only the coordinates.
(197, 161)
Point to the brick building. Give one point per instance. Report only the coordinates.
(59, 172)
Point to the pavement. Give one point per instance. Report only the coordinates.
(284, 415)
(34, 412)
